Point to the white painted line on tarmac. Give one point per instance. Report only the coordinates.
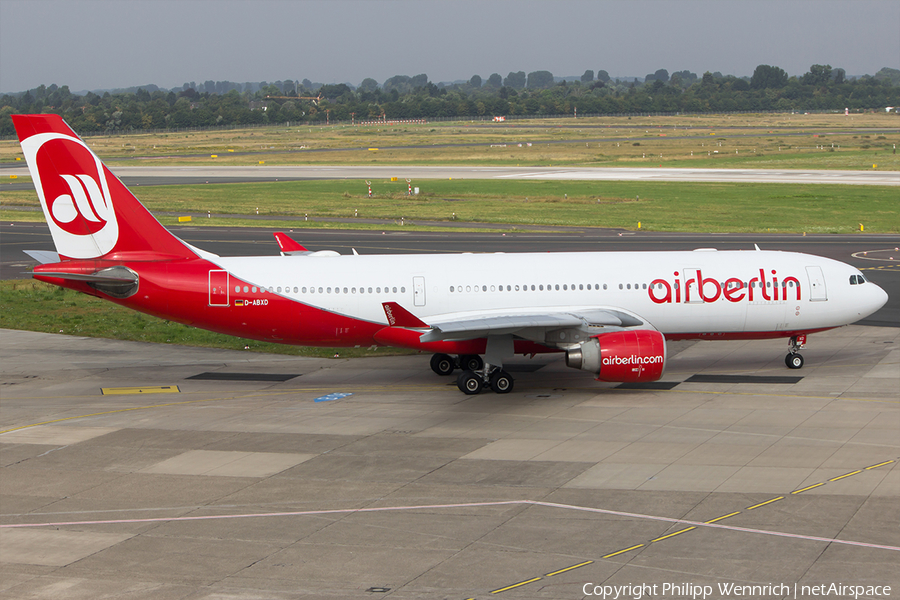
(461, 505)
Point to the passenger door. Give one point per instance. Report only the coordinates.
(817, 291)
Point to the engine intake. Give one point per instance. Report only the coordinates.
(638, 355)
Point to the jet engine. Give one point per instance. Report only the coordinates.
(637, 355)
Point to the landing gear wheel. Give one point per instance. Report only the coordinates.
(469, 382)
(501, 382)
(442, 364)
(793, 361)
(470, 362)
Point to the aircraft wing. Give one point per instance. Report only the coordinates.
(525, 325)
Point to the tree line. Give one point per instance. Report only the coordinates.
(228, 104)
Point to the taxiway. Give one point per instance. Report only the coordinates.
(158, 471)
(143, 175)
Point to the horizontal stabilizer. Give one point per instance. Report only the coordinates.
(43, 256)
(398, 316)
(90, 277)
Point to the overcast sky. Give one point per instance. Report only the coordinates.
(93, 44)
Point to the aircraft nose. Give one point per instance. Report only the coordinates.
(881, 297)
(875, 299)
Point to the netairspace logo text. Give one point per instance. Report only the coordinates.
(733, 590)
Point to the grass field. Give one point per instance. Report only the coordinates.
(764, 141)
(658, 206)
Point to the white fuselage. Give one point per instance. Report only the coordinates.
(742, 291)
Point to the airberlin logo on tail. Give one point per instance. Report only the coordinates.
(71, 184)
(694, 287)
(85, 201)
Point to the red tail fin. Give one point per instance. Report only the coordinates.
(90, 212)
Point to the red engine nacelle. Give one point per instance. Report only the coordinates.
(638, 355)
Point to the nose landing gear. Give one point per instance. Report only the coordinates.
(794, 360)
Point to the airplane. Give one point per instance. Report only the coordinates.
(610, 313)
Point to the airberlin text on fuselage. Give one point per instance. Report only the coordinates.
(709, 289)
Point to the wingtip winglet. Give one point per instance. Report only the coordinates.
(286, 244)
(397, 316)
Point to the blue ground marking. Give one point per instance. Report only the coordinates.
(335, 396)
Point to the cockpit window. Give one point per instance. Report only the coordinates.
(857, 280)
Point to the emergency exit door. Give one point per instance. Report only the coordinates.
(419, 291)
(218, 288)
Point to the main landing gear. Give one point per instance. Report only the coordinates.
(476, 374)
(472, 382)
(794, 360)
(444, 364)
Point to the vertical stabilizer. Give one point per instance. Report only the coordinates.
(91, 214)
